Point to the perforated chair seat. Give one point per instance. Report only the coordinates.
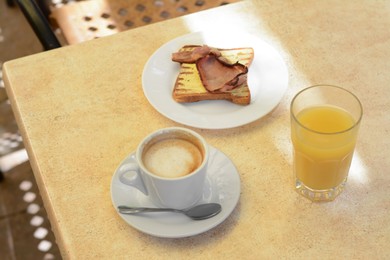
(85, 20)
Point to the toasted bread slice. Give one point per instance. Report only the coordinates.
(189, 87)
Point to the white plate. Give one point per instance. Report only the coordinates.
(222, 186)
(267, 79)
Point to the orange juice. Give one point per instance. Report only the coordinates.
(324, 141)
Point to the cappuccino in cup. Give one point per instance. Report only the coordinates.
(172, 156)
(169, 167)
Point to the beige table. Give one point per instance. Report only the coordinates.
(81, 110)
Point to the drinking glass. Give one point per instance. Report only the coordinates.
(324, 127)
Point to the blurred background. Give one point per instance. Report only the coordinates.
(25, 231)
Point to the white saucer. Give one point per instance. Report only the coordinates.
(222, 186)
(267, 78)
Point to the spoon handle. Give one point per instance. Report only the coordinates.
(134, 210)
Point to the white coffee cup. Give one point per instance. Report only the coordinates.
(170, 167)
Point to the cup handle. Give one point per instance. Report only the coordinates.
(129, 174)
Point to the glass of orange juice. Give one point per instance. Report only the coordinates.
(324, 126)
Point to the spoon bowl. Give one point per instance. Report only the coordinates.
(198, 212)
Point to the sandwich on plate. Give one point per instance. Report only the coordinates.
(208, 73)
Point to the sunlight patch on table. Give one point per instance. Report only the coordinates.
(236, 22)
(358, 171)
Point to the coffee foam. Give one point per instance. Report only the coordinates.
(172, 157)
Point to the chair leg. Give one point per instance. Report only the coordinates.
(39, 23)
(1, 175)
(10, 3)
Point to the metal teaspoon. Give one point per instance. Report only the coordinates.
(199, 212)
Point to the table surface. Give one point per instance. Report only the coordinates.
(81, 110)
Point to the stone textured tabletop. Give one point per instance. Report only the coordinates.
(81, 110)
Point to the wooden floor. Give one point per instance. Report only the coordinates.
(25, 231)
